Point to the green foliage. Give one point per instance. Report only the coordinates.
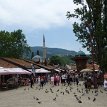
(91, 29)
(32, 55)
(60, 60)
(13, 44)
(55, 60)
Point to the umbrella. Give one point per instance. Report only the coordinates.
(86, 70)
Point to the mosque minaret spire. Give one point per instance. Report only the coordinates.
(44, 49)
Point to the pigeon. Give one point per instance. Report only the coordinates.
(88, 98)
(75, 95)
(67, 91)
(46, 91)
(63, 93)
(37, 98)
(77, 98)
(94, 99)
(54, 99)
(39, 102)
(83, 94)
(79, 101)
(57, 90)
(101, 91)
(70, 89)
(51, 90)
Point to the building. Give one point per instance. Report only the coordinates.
(81, 60)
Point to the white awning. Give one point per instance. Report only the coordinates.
(41, 70)
(7, 71)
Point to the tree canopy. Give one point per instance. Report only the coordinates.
(60, 60)
(13, 44)
(91, 28)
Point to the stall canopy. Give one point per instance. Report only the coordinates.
(86, 70)
(7, 71)
(41, 70)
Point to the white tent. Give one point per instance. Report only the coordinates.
(41, 70)
(7, 71)
(4, 71)
(19, 71)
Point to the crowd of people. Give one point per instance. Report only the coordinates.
(64, 78)
(90, 80)
(55, 79)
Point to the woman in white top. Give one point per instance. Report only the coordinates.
(52, 80)
(105, 84)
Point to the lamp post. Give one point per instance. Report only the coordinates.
(33, 69)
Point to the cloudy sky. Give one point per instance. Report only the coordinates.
(38, 17)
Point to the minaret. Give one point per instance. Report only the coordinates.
(44, 49)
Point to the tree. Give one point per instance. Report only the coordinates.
(60, 60)
(13, 44)
(55, 60)
(90, 28)
(32, 55)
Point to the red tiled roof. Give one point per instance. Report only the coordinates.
(13, 62)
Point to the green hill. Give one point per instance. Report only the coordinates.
(53, 51)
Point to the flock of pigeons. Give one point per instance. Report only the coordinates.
(77, 93)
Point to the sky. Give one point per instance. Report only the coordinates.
(41, 17)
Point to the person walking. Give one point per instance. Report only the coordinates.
(68, 79)
(41, 82)
(77, 79)
(31, 82)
